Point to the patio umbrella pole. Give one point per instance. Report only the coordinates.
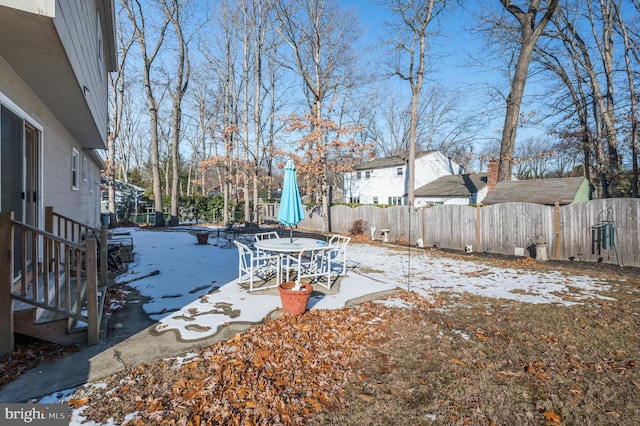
(290, 212)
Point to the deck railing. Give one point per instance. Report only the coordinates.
(48, 271)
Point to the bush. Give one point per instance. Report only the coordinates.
(358, 227)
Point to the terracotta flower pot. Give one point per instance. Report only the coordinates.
(294, 302)
(202, 238)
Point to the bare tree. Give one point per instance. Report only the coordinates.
(530, 31)
(320, 36)
(584, 62)
(148, 55)
(117, 85)
(411, 46)
(631, 54)
(264, 41)
(173, 11)
(205, 107)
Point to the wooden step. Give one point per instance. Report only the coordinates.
(55, 327)
(53, 331)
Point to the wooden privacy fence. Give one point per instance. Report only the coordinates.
(594, 231)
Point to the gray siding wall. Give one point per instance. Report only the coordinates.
(83, 204)
(77, 24)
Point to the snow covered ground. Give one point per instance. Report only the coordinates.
(193, 288)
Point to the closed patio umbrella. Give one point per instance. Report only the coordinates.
(290, 211)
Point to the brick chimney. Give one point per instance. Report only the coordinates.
(492, 175)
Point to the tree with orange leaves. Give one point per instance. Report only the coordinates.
(324, 148)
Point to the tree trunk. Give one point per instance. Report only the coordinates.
(111, 175)
(529, 35)
(514, 100)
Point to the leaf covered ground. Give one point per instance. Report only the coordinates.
(455, 359)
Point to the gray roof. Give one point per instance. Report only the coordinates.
(539, 191)
(454, 186)
(380, 163)
(383, 163)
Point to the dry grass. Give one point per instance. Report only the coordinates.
(475, 360)
(460, 360)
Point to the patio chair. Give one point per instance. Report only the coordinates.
(265, 236)
(338, 251)
(252, 266)
(314, 264)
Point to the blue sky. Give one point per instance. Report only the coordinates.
(451, 66)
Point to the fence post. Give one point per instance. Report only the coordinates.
(104, 253)
(478, 230)
(424, 226)
(556, 220)
(6, 278)
(93, 327)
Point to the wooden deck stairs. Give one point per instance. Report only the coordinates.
(51, 286)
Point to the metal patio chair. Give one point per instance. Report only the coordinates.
(252, 266)
(338, 251)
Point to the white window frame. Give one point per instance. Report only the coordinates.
(91, 183)
(75, 160)
(85, 168)
(399, 171)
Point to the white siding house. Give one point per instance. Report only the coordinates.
(384, 180)
(54, 60)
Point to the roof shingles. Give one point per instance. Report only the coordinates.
(539, 191)
(454, 186)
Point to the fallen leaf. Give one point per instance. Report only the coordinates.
(541, 375)
(552, 418)
(480, 335)
(77, 403)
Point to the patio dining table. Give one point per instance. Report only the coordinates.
(289, 246)
(286, 245)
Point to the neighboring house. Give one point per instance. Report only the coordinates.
(127, 198)
(54, 60)
(541, 191)
(465, 189)
(384, 180)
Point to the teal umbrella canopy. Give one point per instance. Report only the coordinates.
(291, 211)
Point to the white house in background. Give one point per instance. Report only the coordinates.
(54, 60)
(464, 189)
(384, 180)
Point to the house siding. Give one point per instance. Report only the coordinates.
(39, 7)
(384, 182)
(56, 148)
(583, 193)
(77, 25)
(431, 201)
